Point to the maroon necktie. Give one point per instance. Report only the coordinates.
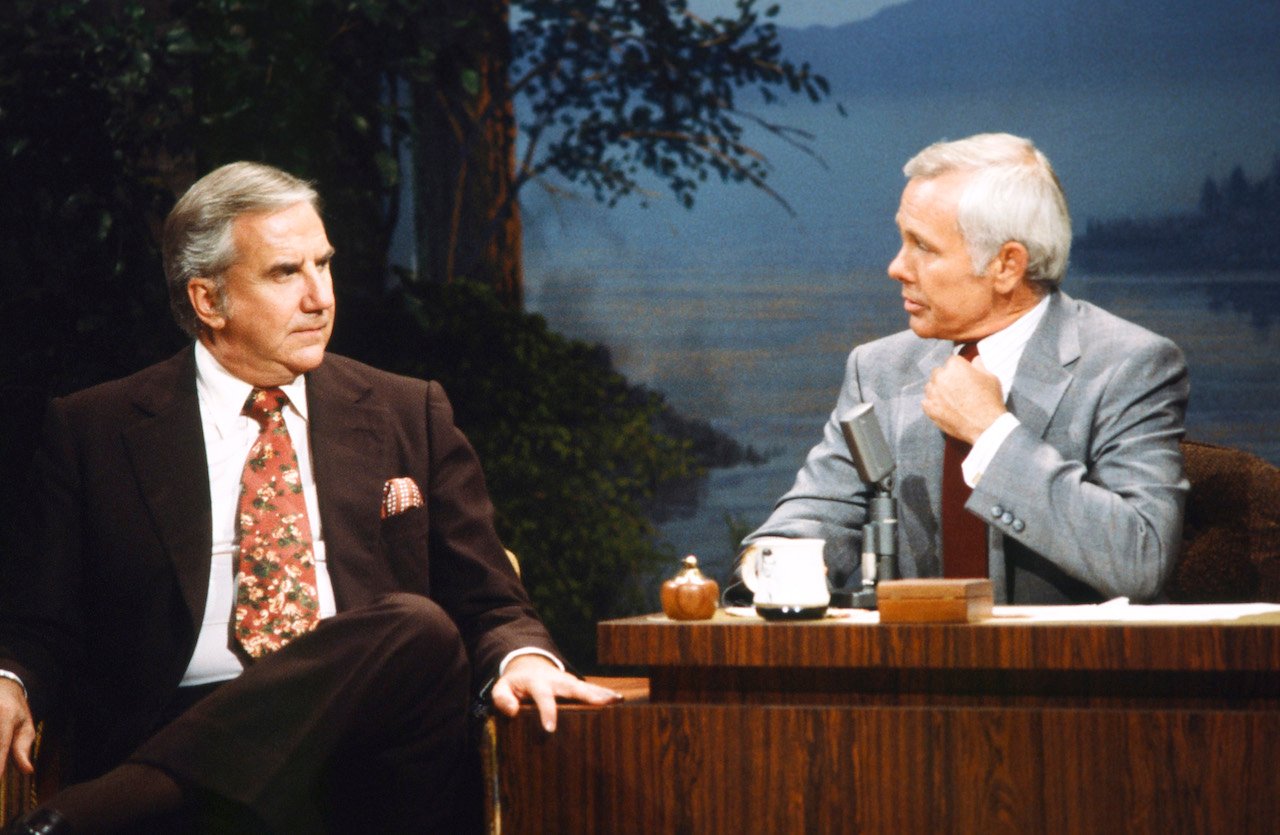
(276, 598)
(964, 535)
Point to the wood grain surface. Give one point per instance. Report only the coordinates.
(829, 727)
(649, 768)
(749, 642)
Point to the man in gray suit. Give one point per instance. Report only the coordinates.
(1073, 414)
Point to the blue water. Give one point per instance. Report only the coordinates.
(761, 355)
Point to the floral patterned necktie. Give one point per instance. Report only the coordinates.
(276, 598)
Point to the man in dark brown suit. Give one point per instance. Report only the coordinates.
(116, 594)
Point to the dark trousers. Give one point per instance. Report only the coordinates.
(358, 726)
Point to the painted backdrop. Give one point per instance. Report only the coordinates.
(742, 313)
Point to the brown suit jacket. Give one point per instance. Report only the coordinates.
(102, 590)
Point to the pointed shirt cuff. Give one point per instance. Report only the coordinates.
(14, 677)
(516, 653)
(984, 449)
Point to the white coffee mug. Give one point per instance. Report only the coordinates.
(788, 577)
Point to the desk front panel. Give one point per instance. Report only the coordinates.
(831, 727)
(688, 768)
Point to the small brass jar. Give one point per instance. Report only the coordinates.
(690, 595)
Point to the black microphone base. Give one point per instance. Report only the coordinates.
(863, 599)
(783, 611)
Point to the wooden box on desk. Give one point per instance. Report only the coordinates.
(934, 600)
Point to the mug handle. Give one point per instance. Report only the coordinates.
(748, 565)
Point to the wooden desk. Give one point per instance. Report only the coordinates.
(834, 727)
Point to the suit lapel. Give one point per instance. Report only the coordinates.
(920, 440)
(1043, 376)
(918, 445)
(347, 452)
(166, 450)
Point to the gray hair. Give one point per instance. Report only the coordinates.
(1014, 195)
(198, 241)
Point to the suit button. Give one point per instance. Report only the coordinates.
(1006, 517)
(997, 512)
(1018, 526)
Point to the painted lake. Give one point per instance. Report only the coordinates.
(760, 355)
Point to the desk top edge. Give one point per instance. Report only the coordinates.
(650, 640)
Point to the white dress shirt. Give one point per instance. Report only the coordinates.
(1001, 352)
(228, 436)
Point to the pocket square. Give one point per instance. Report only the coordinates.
(398, 495)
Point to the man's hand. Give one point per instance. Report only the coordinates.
(963, 398)
(535, 677)
(17, 728)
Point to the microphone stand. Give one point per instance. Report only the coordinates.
(874, 462)
(879, 543)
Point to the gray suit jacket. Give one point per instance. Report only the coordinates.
(1083, 501)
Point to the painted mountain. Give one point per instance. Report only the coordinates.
(1136, 103)
(933, 45)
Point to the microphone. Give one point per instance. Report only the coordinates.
(875, 466)
(867, 445)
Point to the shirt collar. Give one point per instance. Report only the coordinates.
(223, 394)
(1002, 350)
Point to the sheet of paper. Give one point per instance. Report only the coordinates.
(1119, 610)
